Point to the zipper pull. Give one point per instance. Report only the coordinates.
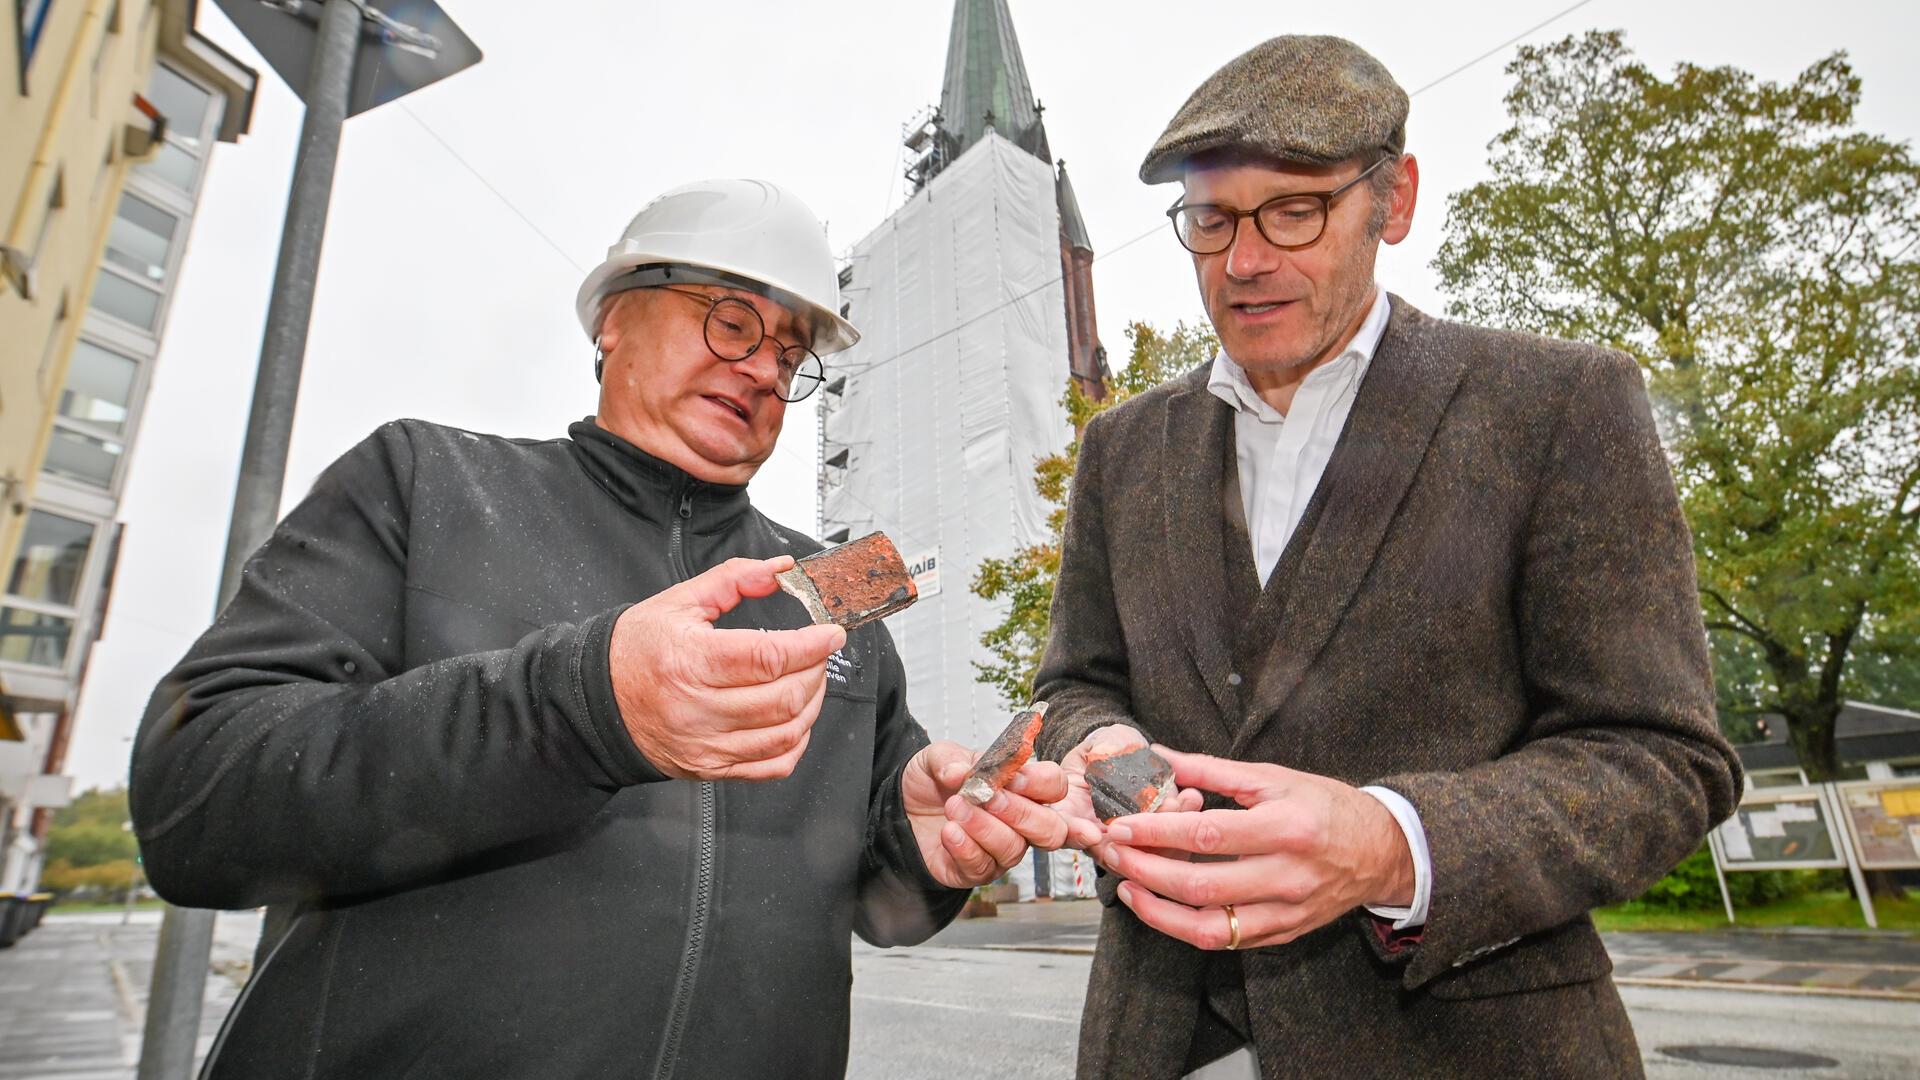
(686, 503)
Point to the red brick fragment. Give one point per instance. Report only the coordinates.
(1134, 781)
(852, 584)
(1006, 755)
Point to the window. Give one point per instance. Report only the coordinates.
(188, 109)
(116, 296)
(34, 637)
(82, 456)
(140, 237)
(99, 387)
(33, 19)
(183, 104)
(89, 433)
(43, 589)
(52, 555)
(172, 166)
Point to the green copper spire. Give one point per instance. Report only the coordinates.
(986, 83)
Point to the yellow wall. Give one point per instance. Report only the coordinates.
(91, 59)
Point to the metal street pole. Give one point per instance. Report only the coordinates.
(186, 934)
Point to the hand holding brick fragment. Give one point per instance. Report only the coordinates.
(965, 844)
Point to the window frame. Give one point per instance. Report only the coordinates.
(199, 149)
(130, 345)
(86, 585)
(27, 37)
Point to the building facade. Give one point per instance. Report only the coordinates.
(110, 115)
(975, 302)
(1873, 742)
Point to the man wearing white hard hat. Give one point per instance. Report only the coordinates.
(522, 745)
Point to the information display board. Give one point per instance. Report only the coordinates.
(1780, 829)
(1883, 822)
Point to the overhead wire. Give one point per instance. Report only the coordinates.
(860, 369)
(856, 369)
(488, 184)
(1522, 35)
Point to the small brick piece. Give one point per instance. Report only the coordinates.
(852, 584)
(1132, 781)
(1008, 753)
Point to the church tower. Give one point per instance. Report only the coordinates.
(975, 299)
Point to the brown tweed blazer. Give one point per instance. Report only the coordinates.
(1494, 615)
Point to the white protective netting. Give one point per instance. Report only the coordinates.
(951, 396)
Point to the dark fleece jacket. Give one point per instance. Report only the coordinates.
(402, 735)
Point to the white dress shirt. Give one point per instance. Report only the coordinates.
(1281, 459)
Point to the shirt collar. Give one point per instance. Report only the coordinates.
(651, 488)
(1228, 381)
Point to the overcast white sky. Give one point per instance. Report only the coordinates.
(437, 301)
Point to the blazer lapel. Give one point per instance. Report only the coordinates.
(1194, 575)
(1399, 406)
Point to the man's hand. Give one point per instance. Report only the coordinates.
(1077, 807)
(965, 845)
(708, 704)
(1305, 850)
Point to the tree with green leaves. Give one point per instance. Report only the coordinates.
(1760, 256)
(92, 829)
(89, 847)
(1025, 578)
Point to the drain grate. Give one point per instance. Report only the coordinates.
(1751, 1057)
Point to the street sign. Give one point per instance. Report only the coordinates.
(924, 567)
(1790, 828)
(1780, 829)
(404, 45)
(1883, 821)
(342, 57)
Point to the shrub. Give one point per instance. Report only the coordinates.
(1690, 886)
(106, 880)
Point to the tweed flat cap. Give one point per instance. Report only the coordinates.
(1318, 100)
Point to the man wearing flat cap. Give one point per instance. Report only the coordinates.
(1410, 603)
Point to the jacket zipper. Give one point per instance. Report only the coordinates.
(708, 799)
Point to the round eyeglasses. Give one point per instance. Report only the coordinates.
(735, 331)
(1286, 221)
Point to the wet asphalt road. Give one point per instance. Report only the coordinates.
(75, 990)
(939, 1013)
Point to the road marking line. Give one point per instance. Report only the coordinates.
(894, 999)
(1062, 950)
(1748, 972)
(1663, 969)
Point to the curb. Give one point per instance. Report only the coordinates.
(1768, 988)
(1619, 980)
(1057, 950)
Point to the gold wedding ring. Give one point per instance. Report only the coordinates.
(1233, 928)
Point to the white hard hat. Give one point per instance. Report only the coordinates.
(746, 233)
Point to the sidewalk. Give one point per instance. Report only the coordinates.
(73, 993)
(1845, 963)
